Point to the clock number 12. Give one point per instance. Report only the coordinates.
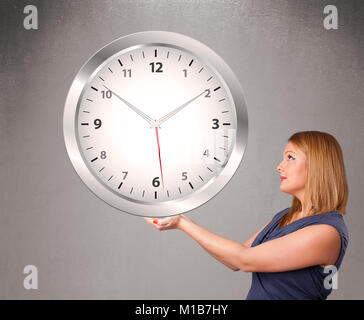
(158, 69)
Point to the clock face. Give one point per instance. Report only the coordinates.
(155, 124)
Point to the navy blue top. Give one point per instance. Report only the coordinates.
(306, 283)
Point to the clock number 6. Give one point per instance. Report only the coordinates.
(156, 183)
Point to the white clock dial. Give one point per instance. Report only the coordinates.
(154, 125)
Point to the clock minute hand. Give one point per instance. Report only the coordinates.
(135, 109)
(172, 113)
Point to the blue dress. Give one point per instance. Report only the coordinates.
(306, 283)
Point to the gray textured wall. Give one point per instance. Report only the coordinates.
(296, 76)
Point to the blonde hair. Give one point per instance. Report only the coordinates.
(326, 184)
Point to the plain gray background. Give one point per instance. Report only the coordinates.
(296, 76)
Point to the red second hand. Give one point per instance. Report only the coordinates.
(159, 153)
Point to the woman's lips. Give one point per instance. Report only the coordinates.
(283, 178)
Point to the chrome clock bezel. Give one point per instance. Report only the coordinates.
(86, 74)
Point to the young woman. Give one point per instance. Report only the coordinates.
(289, 254)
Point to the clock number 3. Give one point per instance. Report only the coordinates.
(215, 123)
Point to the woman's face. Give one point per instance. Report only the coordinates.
(293, 168)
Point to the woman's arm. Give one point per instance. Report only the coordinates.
(247, 244)
(222, 249)
(312, 245)
(175, 222)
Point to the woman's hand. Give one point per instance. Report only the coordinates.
(168, 223)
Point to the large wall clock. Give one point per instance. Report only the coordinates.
(155, 123)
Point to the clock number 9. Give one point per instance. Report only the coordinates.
(97, 123)
(159, 64)
(156, 183)
(215, 123)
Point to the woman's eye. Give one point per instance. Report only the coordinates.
(290, 156)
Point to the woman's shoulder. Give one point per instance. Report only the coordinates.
(333, 218)
(336, 220)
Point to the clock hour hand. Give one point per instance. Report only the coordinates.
(172, 113)
(135, 109)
